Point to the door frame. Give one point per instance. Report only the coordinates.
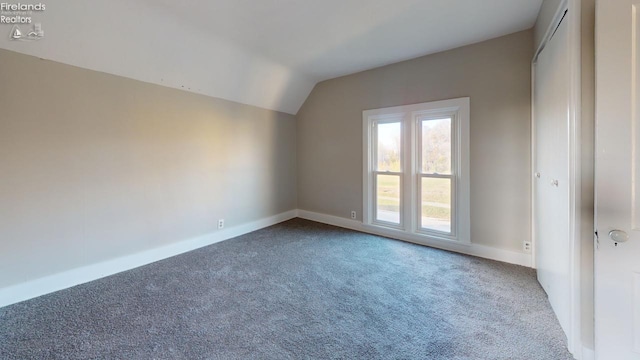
(573, 18)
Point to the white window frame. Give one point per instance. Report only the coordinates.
(410, 117)
(386, 119)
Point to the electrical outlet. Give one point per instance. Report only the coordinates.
(527, 246)
(220, 223)
(353, 214)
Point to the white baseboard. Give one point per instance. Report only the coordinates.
(48, 284)
(482, 251)
(24, 291)
(587, 354)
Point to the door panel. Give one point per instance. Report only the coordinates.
(617, 266)
(551, 178)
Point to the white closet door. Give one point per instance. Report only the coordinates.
(551, 173)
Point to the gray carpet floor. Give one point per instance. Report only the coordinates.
(296, 290)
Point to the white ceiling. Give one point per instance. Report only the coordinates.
(267, 53)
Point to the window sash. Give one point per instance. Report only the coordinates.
(452, 203)
(454, 144)
(451, 177)
(401, 223)
(374, 154)
(375, 172)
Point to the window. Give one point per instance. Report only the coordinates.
(416, 169)
(388, 171)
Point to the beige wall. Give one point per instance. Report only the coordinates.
(95, 166)
(495, 74)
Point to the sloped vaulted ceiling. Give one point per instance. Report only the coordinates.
(266, 53)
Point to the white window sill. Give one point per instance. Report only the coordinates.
(422, 239)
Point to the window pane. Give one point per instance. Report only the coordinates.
(388, 198)
(436, 204)
(389, 145)
(436, 146)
